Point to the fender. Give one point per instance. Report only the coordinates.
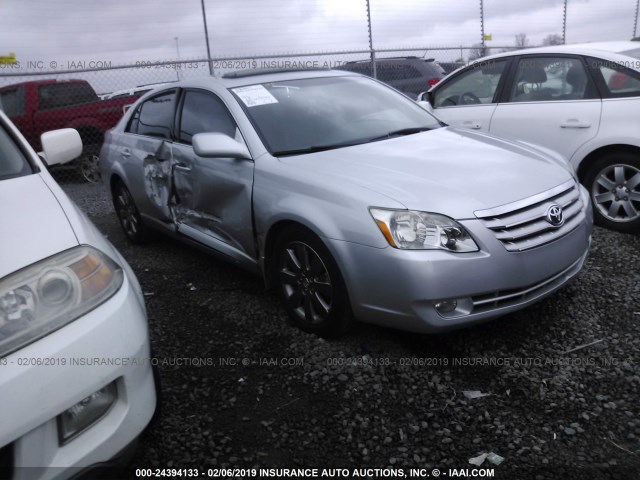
(625, 139)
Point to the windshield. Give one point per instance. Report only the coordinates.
(299, 116)
(12, 161)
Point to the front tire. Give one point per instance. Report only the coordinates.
(310, 284)
(128, 215)
(613, 181)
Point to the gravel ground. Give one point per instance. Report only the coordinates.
(550, 414)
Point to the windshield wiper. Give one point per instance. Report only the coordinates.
(401, 132)
(315, 148)
(322, 148)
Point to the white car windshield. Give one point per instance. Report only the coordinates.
(12, 161)
(315, 114)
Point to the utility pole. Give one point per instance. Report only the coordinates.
(373, 53)
(564, 23)
(206, 36)
(178, 65)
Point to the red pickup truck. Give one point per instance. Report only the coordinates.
(39, 106)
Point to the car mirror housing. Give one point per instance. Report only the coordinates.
(218, 145)
(426, 105)
(61, 146)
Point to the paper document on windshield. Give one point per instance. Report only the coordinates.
(255, 95)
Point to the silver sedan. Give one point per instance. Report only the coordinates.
(349, 198)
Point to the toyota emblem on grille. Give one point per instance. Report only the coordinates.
(554, 215)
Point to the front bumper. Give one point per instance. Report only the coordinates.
(399, 288)
(43, 379)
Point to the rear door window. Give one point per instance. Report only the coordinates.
(540, 79)
(154, 117)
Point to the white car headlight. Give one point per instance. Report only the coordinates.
(412, 230)
(47, 295)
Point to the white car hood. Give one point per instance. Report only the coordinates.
(34, 225)
(449, 171)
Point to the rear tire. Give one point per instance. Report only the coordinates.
(613, 182)
(130, 220)
(311, 287)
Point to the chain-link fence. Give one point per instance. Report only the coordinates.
(92, 100)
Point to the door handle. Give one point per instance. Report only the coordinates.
(574, 123)
(182, 167)
(472, 125)
(126, 153)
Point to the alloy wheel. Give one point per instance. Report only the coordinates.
(616, 193)
(90, 168)
(306, 283)
(127, 212)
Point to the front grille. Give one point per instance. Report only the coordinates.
(6, 462)
(522, 225)
(505, 298)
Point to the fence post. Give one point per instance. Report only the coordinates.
(482, 25)
(371, 50)
(564, 23)
(635, 20)
(206, 37)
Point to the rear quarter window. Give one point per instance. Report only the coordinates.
(58, 95)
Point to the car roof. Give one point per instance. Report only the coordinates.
(595, 48)
(252, 77)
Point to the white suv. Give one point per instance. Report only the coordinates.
(582, 101)
(76, 384)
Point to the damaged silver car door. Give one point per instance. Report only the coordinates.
(212, 196)
(151, 123)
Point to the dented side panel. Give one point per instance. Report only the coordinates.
(213, 196)
(146, 163)
(157, 169)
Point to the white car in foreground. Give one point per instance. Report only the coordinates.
(76, 384)
(582, 101)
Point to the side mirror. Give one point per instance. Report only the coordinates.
(218, 145)
(423, 97)
(426, 105)
(61, 146)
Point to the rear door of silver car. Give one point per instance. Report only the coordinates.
(145, 155)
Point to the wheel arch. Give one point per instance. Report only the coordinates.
(590, 158)
(270, 242)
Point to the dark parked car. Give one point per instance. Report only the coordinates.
(410, 75)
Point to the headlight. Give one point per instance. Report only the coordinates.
(411, 230)
(43, 297)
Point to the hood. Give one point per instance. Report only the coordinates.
(34, 226)
(448, 171)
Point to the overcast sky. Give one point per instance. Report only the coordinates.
(126, 31)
